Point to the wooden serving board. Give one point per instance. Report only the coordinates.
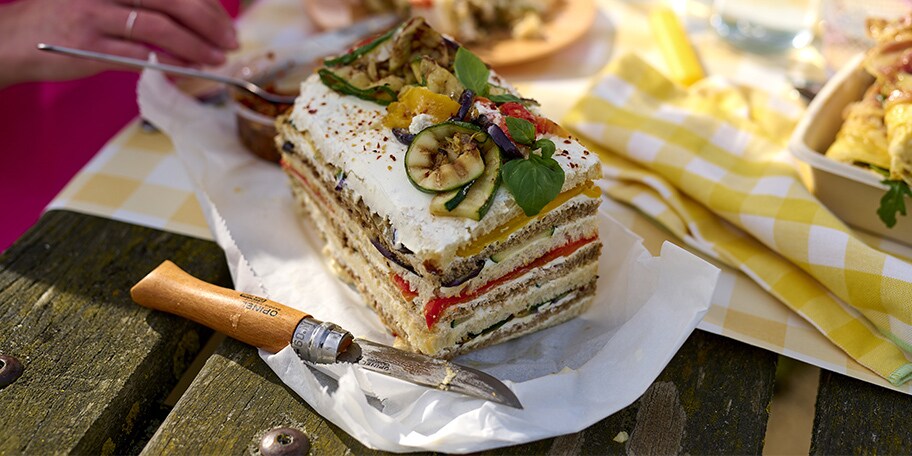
(566, 25)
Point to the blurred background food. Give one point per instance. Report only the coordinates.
(843, 26)
(877, 132)
(855, 140)
(468, 21)
(501, 32)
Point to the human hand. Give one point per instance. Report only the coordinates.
(181, 32)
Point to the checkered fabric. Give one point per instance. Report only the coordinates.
(137, 178)
(709, 164)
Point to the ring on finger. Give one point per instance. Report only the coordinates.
(131, 21)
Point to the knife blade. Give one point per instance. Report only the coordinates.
(271, 326)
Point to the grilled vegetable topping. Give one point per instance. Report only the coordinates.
(359, 51)
(387, 62)
(436, 78)
(403, 135)
(488, 135)
(449, 200)
(414, 101)
(382, 94)
(446, 156)
(500, 138)
(537, 180)
(473, 200)
(465, 104)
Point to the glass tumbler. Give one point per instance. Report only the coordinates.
(766, 26)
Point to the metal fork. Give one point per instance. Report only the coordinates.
(137, 63)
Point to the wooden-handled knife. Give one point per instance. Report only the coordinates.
(271, 326)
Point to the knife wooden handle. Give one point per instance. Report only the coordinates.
(250, 319)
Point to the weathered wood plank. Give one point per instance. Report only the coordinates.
(695, 407)
(96, 365)
(233, 401)
(856, 417)
(712, 398)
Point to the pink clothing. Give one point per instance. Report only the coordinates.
(49, 131)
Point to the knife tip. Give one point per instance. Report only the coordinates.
(509, 400)
(486, 387)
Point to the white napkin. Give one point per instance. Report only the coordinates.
(567, 377)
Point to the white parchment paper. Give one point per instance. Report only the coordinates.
(567, 377)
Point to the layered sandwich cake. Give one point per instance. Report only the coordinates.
(462, 215)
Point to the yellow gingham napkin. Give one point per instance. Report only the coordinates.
(709, 164)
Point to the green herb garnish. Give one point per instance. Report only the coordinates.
(472, 72)
(474, 75)
(521, 130)
(546, 146)
(535, 181)
(501, 95)
(893, 201)
(505, 98)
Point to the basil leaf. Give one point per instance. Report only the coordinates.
(503, 95)
(546, 146)
(521, 130)
(893, 202)
(471, 72)
(380, 94)
(505, 98)
(533, 182)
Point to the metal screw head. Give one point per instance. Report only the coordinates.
(10, 370)
(284, 441)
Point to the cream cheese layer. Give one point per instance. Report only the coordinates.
(347, 132)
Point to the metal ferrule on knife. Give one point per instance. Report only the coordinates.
(318, 341)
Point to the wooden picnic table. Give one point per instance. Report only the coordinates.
(97, 368)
